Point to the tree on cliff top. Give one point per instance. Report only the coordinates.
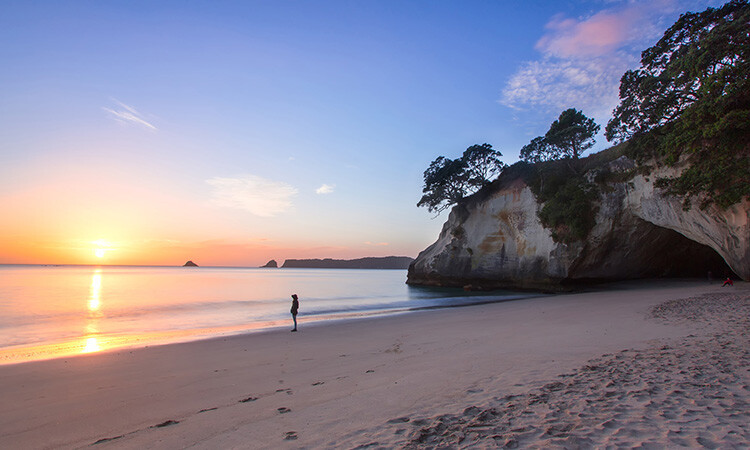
(447, 181)
(691, 98)
(568, 136)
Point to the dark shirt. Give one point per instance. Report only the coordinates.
(295, 306)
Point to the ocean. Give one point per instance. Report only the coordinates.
(57, 311)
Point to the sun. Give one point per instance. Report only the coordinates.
(101, 247)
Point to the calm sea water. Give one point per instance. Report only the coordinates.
(53, 311)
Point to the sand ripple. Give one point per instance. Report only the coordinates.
(693, 391)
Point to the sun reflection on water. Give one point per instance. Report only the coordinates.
(96, 288)
(91, 343)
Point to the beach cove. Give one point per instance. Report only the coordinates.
(625, 367)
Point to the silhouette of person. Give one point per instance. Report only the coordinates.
(728, 282)
(295, 308)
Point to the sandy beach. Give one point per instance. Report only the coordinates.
(659, 364)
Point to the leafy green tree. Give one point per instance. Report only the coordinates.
(568, 136)
(538, 150)
(572, 133)
(482, 164)
(703, 56)
(690, 101)
(447, 181)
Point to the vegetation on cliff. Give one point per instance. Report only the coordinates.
(568, 136)
(567, 196)
(690, 101)
(447, 181)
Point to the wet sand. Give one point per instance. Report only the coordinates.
(642, 364)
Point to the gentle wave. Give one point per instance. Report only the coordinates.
(98, 308)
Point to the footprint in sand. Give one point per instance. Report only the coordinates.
(318, 383)
(248, 399)
(103, 440)
(399, 420)
(283, 410)
(287, 390)
(290, 436)
(166, 424)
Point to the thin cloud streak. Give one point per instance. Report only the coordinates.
(128, 115)
(259, 196)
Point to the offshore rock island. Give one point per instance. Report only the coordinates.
(495, 238)
(387, 262)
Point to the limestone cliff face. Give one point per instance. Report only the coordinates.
(500, 242)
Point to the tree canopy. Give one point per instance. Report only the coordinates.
(568, 136)
(447, 181)
(702, 57)
(691, 98)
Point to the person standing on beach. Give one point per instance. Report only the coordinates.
(728, 282)
(295, 308)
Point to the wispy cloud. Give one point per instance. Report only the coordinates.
(325, 189)
(127, 114)
(377, 244)
(582, 59)
(260, 196)
(590, 84)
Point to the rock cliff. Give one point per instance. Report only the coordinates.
(499, 241)
(387, 262)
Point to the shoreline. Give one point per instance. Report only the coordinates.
(83, 345)
(335, 384)
(75, 347)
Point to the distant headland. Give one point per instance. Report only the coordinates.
(190, 264)
(387, 262)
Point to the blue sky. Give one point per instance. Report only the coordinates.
(236, 132)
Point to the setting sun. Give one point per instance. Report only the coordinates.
(101, 247)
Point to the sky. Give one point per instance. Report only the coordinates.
(234, 132)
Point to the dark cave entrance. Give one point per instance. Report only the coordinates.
(675, 256)
(649, 251)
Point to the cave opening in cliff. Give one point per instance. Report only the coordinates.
(676, 256)
(650, 251)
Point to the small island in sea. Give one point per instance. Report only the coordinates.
(387, 262)
(190, 264)
(272, 264)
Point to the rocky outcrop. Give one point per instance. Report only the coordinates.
(387, 262)
(190, 264)
(498, 241)
(272, 264)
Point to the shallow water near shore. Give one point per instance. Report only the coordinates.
(53, 311)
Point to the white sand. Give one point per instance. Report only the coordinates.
(587, 369)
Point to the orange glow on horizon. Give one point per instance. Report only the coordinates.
(129, 250)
